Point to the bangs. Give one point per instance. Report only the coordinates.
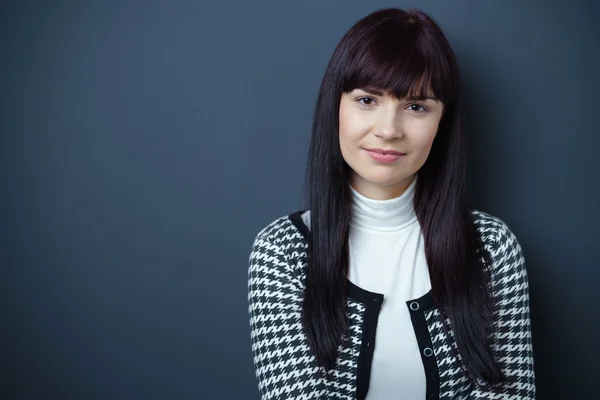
(398, 61)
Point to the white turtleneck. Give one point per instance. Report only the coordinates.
(387, 256)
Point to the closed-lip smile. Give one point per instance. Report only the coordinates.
(382, 151)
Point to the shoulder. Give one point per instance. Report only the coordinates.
(284, 231)
(280, 248)
(506, 258)
(489, 227)
(495, 234)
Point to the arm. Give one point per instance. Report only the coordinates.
(284, 367)
(512, 344)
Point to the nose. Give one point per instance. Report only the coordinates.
(389, 125)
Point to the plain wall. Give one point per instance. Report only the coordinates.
(144, 144)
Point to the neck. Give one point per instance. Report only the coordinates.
(379, 192)
(383, 215)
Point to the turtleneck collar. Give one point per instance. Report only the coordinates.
(383, 215)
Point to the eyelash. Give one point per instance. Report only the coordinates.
(412, 104)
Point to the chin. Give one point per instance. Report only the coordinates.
(384, 179)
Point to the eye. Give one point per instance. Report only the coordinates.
(415, 107)
(366, 101)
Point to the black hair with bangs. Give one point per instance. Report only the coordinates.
(404, 54)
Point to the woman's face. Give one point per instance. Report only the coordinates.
(371, 120)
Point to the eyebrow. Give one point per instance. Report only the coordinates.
(377, 92)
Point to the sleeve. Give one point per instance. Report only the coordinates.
(283, 364)
(512, 344)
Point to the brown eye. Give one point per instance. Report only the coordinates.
(366, 101)
(417, 108)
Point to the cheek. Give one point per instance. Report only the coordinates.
(350, 139)
(356, 123)
(349, 128)
(422, 143)
(347, 141)
(425, 141)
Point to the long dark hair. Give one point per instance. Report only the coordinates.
(403, 53)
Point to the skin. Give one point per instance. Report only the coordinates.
(369, 118)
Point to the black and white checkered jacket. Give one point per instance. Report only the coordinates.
(286, 368)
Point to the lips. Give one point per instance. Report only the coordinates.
(385, 156)
(382, 151)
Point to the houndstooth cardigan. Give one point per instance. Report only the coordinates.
(286, 368)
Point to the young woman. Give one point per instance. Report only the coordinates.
(388, 286)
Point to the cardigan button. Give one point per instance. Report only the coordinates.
(428, 352)
(414, 306)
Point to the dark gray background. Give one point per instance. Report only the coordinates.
(144, 144)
